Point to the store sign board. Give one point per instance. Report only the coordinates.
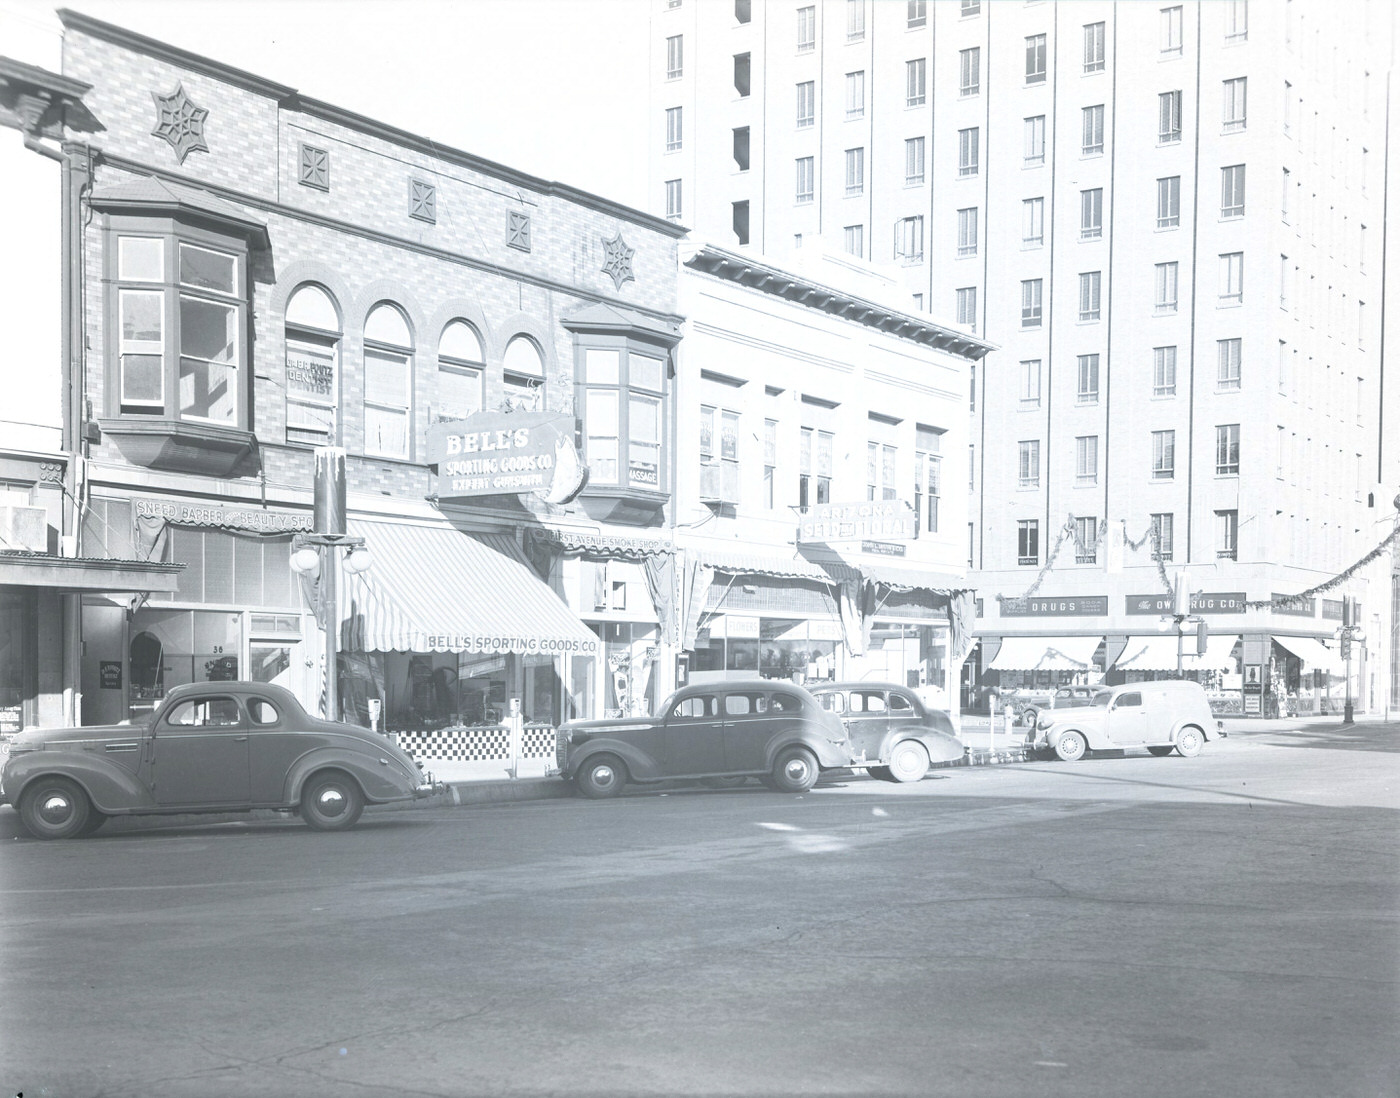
(1300, 607)
(883, 548)
(1076, 606)
(1206, 602)
(875, 520)
(218, 514)
(1332, 609)
(501, 453)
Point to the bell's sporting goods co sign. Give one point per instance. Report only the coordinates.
(506, 453)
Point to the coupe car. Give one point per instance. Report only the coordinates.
(894, 735)
(718, 731)
(208, 747)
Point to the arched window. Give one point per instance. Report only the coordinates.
(388, 382)
(461, 370)
(524, 376)
(313, 338)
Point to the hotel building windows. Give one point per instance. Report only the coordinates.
(1233, 107)
(1094, 47)
(1028, 541)
(1032, 222)
(1031, 302)
(1170, 31)
(806, 104)
(674, 56)
(1086, 540)
(1086, 459)
(881, 459)
(806, 176)
(1030, 383)
(673, 128)
(523, 376)
(814, 464)
(1169, 202)
(967, 307)
(1164, 371)
(854, 236)
(1227, 449)
(969, 71)
(914, 82)
(806, 29)
(1227, 534)
(1028, 463)
(855, 95)
(1093, 131)
(1168, 117)
(1164, 288)
(1090, 283)
(855, 172)
(1163, 534)
(673, 199)
(1035, 59)
(1232, 191)
(1163, 455)
(1232, 278)
(1228, 364)
(913, 160)
(909, 239)
(1088, 389)
(1034, 132)
(967, 232)
(1091, 214)
(969, 151)
(719, 454)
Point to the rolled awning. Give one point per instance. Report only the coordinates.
(1045, 654)
(1158, 653)
(436, 589)
(1313, 653)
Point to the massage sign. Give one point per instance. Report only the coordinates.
(506, 453)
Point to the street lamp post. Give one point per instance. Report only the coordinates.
(1349, 632)
(313, 555)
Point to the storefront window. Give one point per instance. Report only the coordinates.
(13, 637)
(172, 647)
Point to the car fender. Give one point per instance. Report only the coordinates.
(640, 767)
(1093, 734)
(829, 755)
(113, 789)
(1207, 729)
(378, 782)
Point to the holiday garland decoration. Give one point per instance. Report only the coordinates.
(1335, 581)
(1071, 530)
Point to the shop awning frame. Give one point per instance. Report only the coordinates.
(433, 588)
(91, 574)
(1314, 654)
(1046, 654)
(1157, 652)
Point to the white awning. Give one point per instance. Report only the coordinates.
(1045, 654)
(1158, 653)
(1314, 654)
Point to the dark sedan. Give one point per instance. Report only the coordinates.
(210, 747)
(762, 728)
(894, 735)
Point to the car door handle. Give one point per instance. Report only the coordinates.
(240, 739)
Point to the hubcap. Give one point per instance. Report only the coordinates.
(603, 776)
(796, 770)
(330, 802)
(56, 809)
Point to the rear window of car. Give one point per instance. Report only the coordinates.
(262, 711)
(900, 704)
(696, 706)
(786, 703)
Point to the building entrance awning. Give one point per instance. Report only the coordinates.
(1045, 654)
(436, 589)
(94, 574)
(1158, 653)
(1314, 654)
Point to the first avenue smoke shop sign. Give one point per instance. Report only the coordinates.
(500, 453)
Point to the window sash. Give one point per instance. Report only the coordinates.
(674, 56)
(1090, 283)
(1168, 117)
(1028, 541)
(805, 178)
(1162, 526)
(1227, 449)
(1091, 214)
(1035, 59)
(1233, 107)
(673, 128)
(1094, 47)
(969, 142)
(1228, 363)
(1030, 381)
(1088, 391)
(970, 71)
(1086, 458)
(914, 160)
(806, 104)
(914, 80)
(1232, 277)
(855, 171)
(967, 231)
(1163, 371)
(1028, 464)
(1232, 191)
(806, 28)
(1093, 130)
(1035, 140)
(1169, 202)
(1163, 455)
(1031, 298)
(1033, 221)
(1171, 30)
(855, 94)
(1166, 287)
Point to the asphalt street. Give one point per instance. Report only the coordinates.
(1121, 926)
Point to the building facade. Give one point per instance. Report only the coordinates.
(1169, 219)
(449, 448)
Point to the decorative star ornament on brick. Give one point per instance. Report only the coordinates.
(180, 122)
(619, 261)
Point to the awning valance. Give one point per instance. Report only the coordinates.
(739, 563)
(906, 578)
(1158, 653)
(433, 588)
(1314, 654)
(1045, 654)
(88, 573)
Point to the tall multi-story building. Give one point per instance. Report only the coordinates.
(1169, 220)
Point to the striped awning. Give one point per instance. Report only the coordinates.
(433, 588)
(1158, 653)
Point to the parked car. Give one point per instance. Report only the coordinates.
(208, 747)
(1172, 715)
(894, 735)
(1065, 697)
(762, 728)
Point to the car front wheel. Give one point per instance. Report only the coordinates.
(1070, 746)
(1189, 742)
(601, 777)
(55, 808)
(908, 761)
(331, 802)
(794, 770)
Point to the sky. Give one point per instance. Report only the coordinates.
(554, 88)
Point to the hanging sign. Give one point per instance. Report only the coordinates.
(1077, 606)
(1204, 602)
(505, 453)
(874, 520)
